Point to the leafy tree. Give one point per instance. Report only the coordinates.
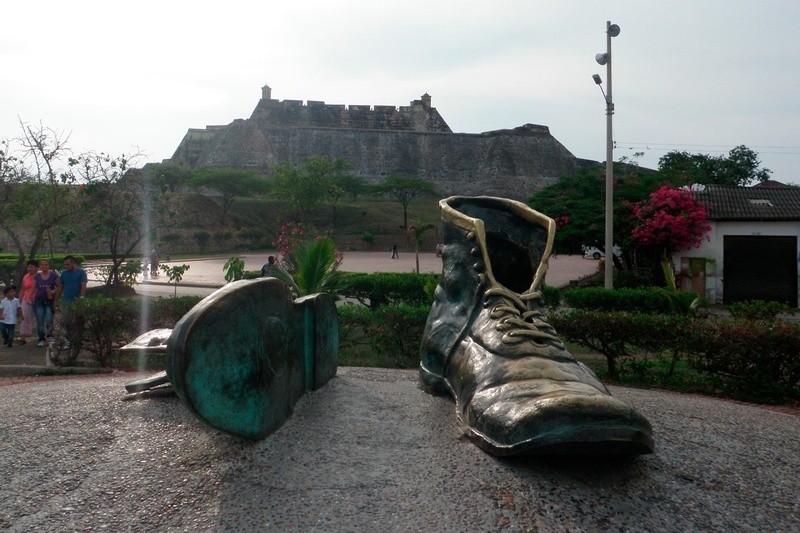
(306, 188)
(230, 183)
(740, 167)
(577, 204)
(121, 206)
(36, 192)
(352, 185)
(404, 190)
(171, 176)
(670, 220)
(175, 275)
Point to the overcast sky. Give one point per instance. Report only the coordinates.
(700, 76)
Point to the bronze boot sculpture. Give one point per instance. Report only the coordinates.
(487, 344)
(243, 356)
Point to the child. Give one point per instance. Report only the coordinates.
(9, 310)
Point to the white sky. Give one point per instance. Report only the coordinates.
(701, 76)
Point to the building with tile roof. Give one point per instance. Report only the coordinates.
(751, 252)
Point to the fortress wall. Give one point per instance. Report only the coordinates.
(514, 163)
(293, 113)
(381, 141)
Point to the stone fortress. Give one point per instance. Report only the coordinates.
(381, 141)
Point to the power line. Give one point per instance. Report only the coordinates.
(666, 147)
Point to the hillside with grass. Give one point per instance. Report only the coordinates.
(254, 224)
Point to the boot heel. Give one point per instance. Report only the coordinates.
(433, 383)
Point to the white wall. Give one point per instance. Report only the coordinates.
(713, 247)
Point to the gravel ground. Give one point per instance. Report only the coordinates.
(371, 452)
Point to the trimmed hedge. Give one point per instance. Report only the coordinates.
(756, 360)
(388, 288)
(394, 332)
(642, 300)
(749, 360)
(102, 325)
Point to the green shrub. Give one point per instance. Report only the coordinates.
(165, 312)
(551, 296)
(102, 325)
(759, 310)
(745, 359)
(202, 238)
(387, 288)
(388, 335)
(756, 360)
(638, 300)
(251, 274)
(621, 334)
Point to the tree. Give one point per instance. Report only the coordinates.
(352, 185)
(36, 190)
(577, 204)
(416, 234)
(306, 188)
(121, 206)
(171, 176)
(404, 190)
(741, 167)
(670, 220)
(230, 183)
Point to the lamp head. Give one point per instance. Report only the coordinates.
(613, 30)
(602, 58)
(597, 79)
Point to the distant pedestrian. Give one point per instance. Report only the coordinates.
(71, 286)
(43, 301)
(439, 249)
(153, 263)
(26, 299)
(266, 270)
(394, 252)
(10, 308)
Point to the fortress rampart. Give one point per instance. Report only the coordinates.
(380, 141)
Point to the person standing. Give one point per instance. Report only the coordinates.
(26, 299)
(71, 286)
(9, 309)
(153, 263)
(43, 300)
(394, 252)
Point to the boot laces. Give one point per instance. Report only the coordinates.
(518, 322)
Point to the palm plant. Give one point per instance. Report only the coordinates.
(416, 234)
(316, 271)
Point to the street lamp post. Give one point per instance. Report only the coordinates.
(612, 30)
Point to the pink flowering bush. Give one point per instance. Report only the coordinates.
(293, 235)
(671, 219)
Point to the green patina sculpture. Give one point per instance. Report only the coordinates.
(488, 345)
(242, 357)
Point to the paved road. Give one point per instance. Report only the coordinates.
(204, 275)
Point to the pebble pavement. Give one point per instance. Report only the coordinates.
(372, 452)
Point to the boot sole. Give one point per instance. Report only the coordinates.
(242, 357)
(590, 439)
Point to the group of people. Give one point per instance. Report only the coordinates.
(43, 291)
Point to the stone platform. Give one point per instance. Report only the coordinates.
(371, 452)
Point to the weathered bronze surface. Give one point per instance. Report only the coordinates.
(243, 356)
(487, 343)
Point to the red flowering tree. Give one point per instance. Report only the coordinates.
(670, 220)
